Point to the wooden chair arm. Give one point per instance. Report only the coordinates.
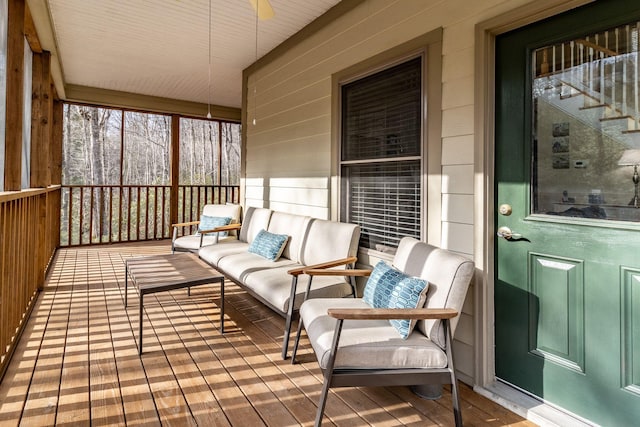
(333, 272)
(392, 313)
(185, 224)
(335, 263)
(229, 227)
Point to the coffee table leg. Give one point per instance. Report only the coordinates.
(222, 306)
(126, 282)
(140, 325)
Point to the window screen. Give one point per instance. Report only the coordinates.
(381, 155)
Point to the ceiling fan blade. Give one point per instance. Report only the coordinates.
(264, 9)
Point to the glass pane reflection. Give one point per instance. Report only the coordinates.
(586, 126)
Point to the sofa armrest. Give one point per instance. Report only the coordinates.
(185, 224)
(335, 263)
(333, 272)
(392, 313)
(229, 227)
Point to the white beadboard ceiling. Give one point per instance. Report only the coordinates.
(160, 47)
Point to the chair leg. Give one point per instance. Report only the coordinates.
(323, 401)
(328, 372)
(222, 307)
(457, 413)
(354, 289)
(296, 342)
(287, 326)
(126, 283)
(295, 346)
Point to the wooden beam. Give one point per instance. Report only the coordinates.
(41, 120)
(15, 97)
(174, 169)
(55, 149)
(132, 101)
(30, 31)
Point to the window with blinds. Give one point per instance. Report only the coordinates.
(381, 155)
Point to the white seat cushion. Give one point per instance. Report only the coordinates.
(240, 265)
(192, 242)
(366, 344)
(274, 286)
(214, 253)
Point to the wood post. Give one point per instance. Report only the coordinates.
(174, 169)
(15, 97)
(55, 148)
(41, 120)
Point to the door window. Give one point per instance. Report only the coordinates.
(586, 126)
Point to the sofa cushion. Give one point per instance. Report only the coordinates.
(448, 274)
(268, 245)
(239, 266)
(365, 344)
(295, 226)
(274, 286)
(255, 219)
(214, 253)
(329, 240)
(210, 222)
(192, 242)
(224, 210)
(390, 288)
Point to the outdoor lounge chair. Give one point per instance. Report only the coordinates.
(215, 220)
(356, 345)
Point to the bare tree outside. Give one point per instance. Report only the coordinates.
(209, 156)
(230, 154)
(116, 172)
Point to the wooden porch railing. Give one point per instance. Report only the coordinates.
(96, 214)
(29, 226)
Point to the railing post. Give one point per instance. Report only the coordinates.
(174, 169)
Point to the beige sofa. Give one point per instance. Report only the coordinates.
(311, 242)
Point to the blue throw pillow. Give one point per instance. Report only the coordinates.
(390, 288)
(268, 245)
(211, 222)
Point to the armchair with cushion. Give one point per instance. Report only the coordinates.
(370, 341)
(216, 222)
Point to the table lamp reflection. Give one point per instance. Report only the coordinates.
(632, 158)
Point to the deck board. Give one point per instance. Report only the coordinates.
(77, 362)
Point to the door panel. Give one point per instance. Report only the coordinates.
(567, 288)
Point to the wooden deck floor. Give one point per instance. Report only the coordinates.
(77, 363)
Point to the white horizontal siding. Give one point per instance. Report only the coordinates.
(457, 150)
(455, 208)
(457, 179)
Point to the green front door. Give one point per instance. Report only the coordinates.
(567, 288)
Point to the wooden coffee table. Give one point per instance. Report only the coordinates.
(160, 273)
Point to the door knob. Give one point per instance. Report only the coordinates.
(505, 209)
(506, 233)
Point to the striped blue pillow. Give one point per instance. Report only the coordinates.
(268, 245)
(211, 222)
(390, 288)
